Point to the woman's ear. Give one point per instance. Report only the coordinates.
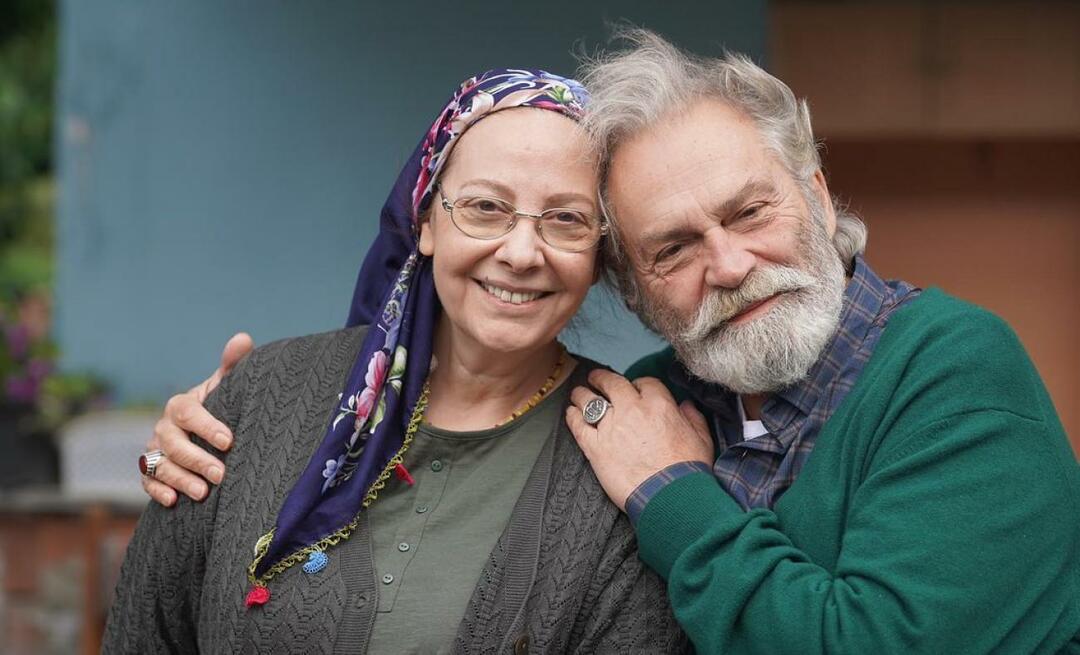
(427, 236)
(427, 239)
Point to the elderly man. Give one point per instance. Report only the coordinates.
(856, 464)
(876, 467)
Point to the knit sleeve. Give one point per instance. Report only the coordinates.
(626, 608)
(157, 598)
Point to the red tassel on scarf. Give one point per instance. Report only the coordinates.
(403, 474)
(257, 596)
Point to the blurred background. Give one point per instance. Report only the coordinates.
(171, 171)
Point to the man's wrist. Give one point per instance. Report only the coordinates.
(639, 497)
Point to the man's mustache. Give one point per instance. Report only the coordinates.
(721, 305)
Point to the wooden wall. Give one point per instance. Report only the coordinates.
(954, 130)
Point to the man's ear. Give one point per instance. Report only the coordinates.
(821, 189)
(427, 239)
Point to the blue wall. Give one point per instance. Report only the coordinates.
(223, 163)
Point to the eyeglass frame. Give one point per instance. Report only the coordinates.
(448, 205)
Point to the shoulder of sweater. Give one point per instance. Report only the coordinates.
(654, 365)
(934, 308)
(586, 365)
(225, 401)
(961, 348)
(942, 361)
(567, 455)
(274, 349)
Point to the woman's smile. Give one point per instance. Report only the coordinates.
(509, 295)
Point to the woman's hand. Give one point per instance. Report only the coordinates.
(184, 461)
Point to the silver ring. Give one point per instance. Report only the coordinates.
(594, 410)
(148, 462)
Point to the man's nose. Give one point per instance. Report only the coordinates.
(727, 260)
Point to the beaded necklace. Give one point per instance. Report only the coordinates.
(397, 465)
(543, 391)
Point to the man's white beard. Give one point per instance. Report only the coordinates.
(776, 349)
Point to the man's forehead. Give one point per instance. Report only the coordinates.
(707, 139)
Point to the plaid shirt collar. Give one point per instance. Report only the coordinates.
(864, 297)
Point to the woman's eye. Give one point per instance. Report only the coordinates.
(569, 217)
(487, 205)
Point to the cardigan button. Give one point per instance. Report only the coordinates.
(521, 646)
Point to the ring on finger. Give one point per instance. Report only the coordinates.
(149, 461)
(595, 409)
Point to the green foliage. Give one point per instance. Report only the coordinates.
(27, 74)
(66, 395)
(29, 380)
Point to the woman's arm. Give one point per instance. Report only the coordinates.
(156, 609)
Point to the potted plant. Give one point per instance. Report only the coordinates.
(36, 398)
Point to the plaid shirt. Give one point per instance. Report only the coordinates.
(758, 471)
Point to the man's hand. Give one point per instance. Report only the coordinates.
(185, 413)
(642, 432)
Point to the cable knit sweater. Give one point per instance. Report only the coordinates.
(563, 577)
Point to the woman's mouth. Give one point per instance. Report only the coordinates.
(509, 296)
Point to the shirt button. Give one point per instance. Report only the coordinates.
(387, 579)
(436, 465)
(521, 646)
(403, 547)
(420, 509)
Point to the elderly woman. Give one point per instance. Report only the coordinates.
(408, 484)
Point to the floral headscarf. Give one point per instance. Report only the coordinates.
(394, 296)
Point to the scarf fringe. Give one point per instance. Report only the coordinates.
(336, 537)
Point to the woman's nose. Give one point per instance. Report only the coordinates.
(521, 248)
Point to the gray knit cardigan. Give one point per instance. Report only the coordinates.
(564, 577)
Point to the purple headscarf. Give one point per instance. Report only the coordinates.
(395, 297)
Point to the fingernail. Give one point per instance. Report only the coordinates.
(221, 440)
(196, 491)
(215, 474)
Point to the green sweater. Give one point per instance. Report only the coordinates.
(938, 513)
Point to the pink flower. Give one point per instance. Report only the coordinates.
(364, 404)
(21, 390)
(18, 340)
(376, 370)
(37, 369)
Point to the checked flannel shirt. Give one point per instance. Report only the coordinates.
(758, 471)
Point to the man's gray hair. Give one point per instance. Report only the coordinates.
(634, 88)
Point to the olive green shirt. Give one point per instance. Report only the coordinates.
(431, 540)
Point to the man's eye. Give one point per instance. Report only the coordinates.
(751, 211)
(668, 252)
